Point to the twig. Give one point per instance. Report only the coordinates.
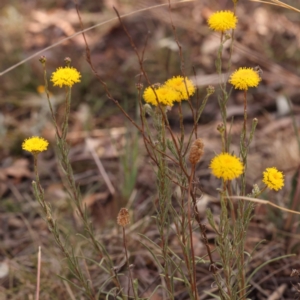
(71, 295)
(277, 294)
(193, 281)
(38, 277)
(100, 166)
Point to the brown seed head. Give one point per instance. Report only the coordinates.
(196, 151)
(123, 217)
(295, 273)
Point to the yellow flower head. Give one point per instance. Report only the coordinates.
(40, 89)
(273, 179)
(243, 78)
(226, 166)
(184, 86)
(222, 21)
(35, 145)
(166, 95)
(66, 76)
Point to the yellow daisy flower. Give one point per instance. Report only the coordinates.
(35, 145)
(226, 166)
(66, 76)
(184, 86)
(243, 78)
(222, 20)
(166, 96)
(273, 179)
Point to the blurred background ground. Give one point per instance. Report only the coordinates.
(267, 36)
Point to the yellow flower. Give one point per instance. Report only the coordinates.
(226, 166)
(35, 145)
(273, 179)
(165, 95)
(243, 78)
(40, 89)
(65, 76)
(184, 86)
(222, 21)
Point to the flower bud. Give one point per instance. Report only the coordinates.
(139, 86)
(210, 90)
(43, 59)
(221, 128)
(67, 61)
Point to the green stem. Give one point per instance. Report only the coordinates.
(65, 124)
(74, 267)
(164, 199)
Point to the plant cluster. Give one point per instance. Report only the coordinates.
(175, 157)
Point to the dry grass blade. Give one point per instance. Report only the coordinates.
(85, 30)
(278, 3)
(267, 202)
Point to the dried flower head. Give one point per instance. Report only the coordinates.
(273, 179)
(139, 86)
(35, 145)
(65, 76)
(123, 217)
(243, 78)
(226, 166)
(196, 151)
(184, 86)
(295, 273)
(165, 95)
(222, 21)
